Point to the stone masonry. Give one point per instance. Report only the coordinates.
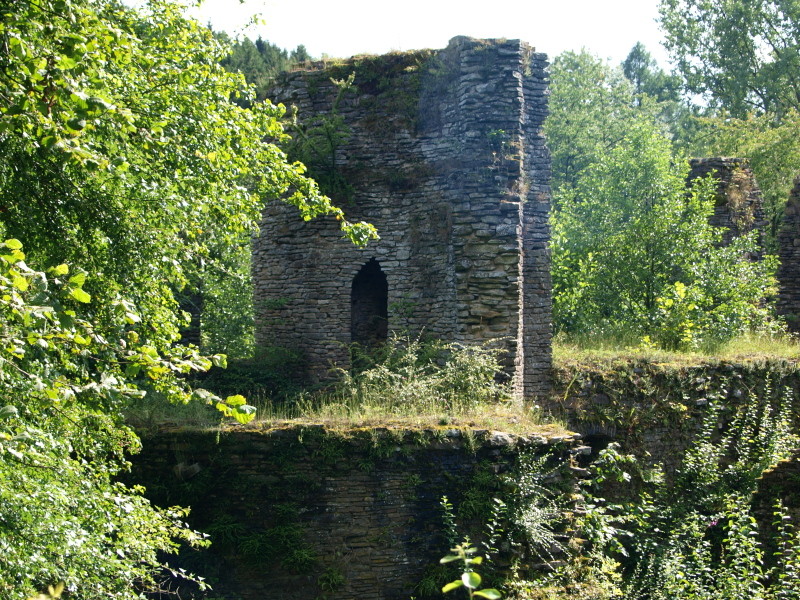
(739, 207)
(789, 252)
(443, 152)
(307, 513)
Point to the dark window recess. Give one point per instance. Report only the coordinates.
(369, 306)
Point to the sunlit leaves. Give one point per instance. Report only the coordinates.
(772, 148)
(122, 153)
(62, 440)
(470, 580)
(741, 55)
(634, 253)
(590, 108)
(236, 407)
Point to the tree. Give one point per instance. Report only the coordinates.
(300, 54)
(743, 58)
(772, 149)
(63, 516)
(590, 107)
(121, 152)
(643, 72)
(632, 254)
(259, 62)
(740, 55)
(121, 156)
(663, 91)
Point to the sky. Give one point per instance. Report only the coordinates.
(343, 28)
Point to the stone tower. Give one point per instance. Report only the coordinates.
(789, 252)
(443, 152)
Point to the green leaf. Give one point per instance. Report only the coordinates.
(453, 585)
(20, 283)
(205, 396)
(78, 279)
(244, 414)
(449, 558)
(13, 244)
(62, 269)
(79, 295)
(490, 593)
(237, 400)
(472, 580)
(220, 360)
(8, 412)
(66, 63)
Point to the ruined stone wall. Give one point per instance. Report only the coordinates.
(739, 207)
(789, 253)
(304, 513)
(444, 154)
(780, 482)
(658, 410)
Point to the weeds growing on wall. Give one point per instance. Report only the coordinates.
(697, 537)
(408, 372)
(513, 521)
(316, 144)
(694, 537)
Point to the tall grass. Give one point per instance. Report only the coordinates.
(413, 382)
(407, 382)
(623, 345)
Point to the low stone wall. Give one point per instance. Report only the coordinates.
(657, 410)
(305, 513)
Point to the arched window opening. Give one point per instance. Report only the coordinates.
(369, 306)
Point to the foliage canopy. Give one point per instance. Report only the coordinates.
(742, 58)
(123, 153)
(126, 167)
(633, 251)
(740, 55)
(63, 516)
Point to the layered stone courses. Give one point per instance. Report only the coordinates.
(445, 156)
(789, 253)
(367, 507)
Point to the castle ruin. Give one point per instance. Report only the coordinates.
(443, 152)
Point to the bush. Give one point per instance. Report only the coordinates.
(410, 372)
(632, 251)
(276, 373)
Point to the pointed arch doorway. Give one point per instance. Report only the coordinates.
(369, 305)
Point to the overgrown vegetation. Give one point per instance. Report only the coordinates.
(416, 382)
(748, 85)
(129, 163)
(64, 517)
(316, 144)
(260, 62)
(633, 252)
(408, 373)
(128, 173)
(688, 535)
